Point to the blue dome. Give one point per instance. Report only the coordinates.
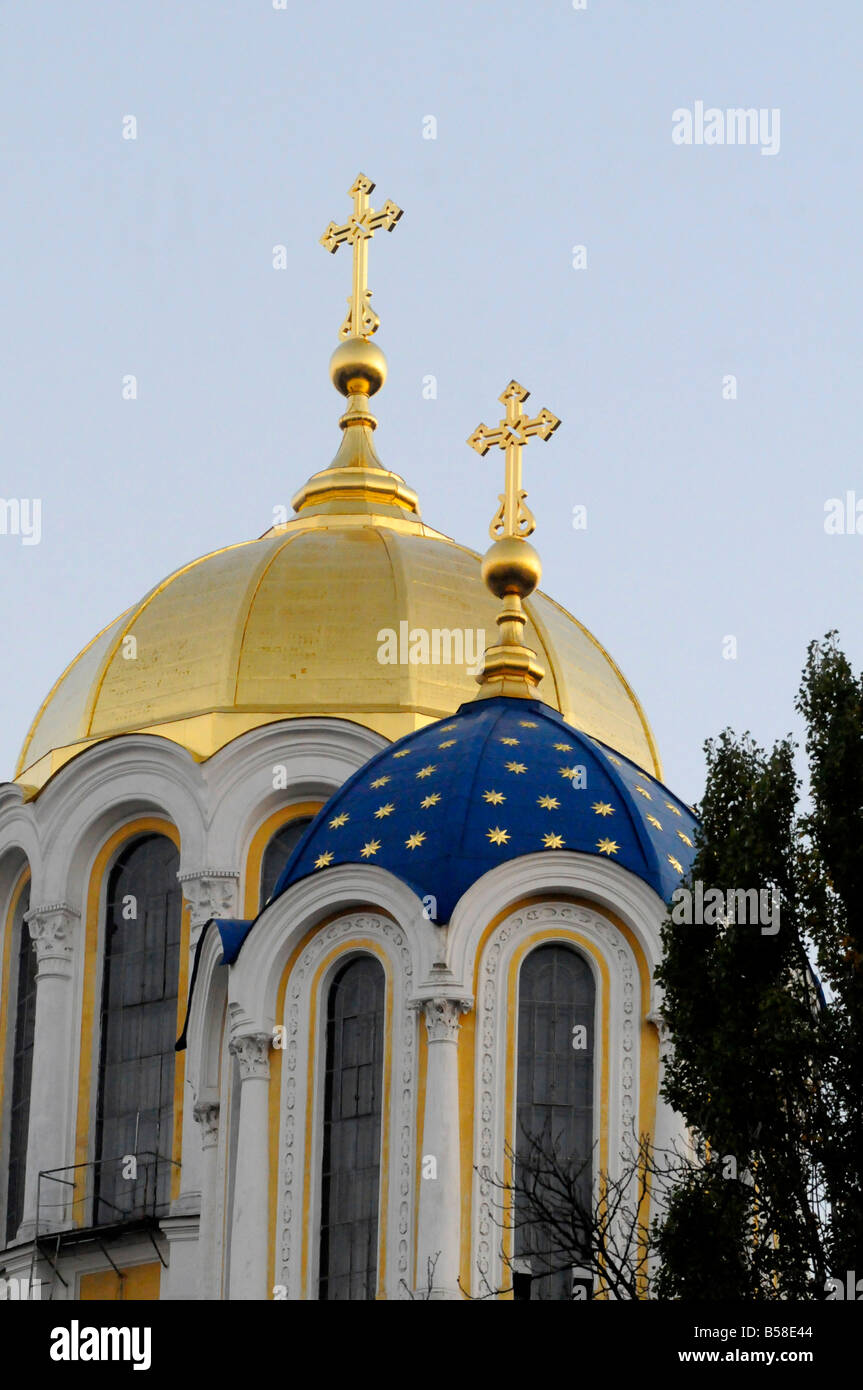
(502, 778)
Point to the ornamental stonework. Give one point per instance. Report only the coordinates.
(53, 931)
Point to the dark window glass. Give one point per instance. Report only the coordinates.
(22, 1064)
(139, 1029)
(554, 1106)
(276, 854)
(352, 1132)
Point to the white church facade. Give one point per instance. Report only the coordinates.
(392, 912)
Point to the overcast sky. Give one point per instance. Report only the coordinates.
(153, 256)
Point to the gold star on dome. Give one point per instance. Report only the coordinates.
(654, 821)
(495, 798)
(403, 754)
(512, 742)
(685, 838)
(430, 800)
(498, 836)
(369, 848)
(379, 782)
(563, 747)
(569, 772)
(613, 759)
(673, 808)
(528, 724)
(427, 770)
(602, 808)
(548, 803)
(675, 863)
(448, 743)
(324, 859)
(338, 821)
(413, 841)
(516, 767)
(386, 810)
(553, 841)
(607, 846)
(445, 728)
(642, 792)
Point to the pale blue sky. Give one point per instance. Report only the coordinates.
(154, 257)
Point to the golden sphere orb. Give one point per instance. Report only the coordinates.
(358, 367)
(511, 566)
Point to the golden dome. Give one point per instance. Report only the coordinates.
(287, 626)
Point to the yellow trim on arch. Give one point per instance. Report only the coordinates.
(649, 1053)
(255, 856)
(419, 1121)
(276, 1088)
(539, 938)
(143, 825)
(18, 888)
(350, 948)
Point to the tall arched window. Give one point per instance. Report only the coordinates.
(138, 1032)
(22, 1061)
(350, 1178)
(554, 1110)
(276, 854)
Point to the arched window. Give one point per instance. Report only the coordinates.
(554, 1113)
(350, 1178)
(276, 854)
(22, 1061)
(139, 1028)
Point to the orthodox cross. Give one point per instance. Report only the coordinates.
(364, 221)
(513, 517)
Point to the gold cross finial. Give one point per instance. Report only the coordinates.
(513, 517)
(362, 321)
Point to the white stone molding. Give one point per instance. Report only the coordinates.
(554, 875)
(207, 1116)
(209, 893)
(255, 977)
(439, 1223)
(493, 1105)
(297, 1104)
(19, 837)
(318, 755)
(106, 787)
(54, 928)
(54, 932)
(443, 1018)
(252, 1051)
(250, 1048)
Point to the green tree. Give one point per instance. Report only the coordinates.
(739, 1004)
(766, 1071)
(831, 857)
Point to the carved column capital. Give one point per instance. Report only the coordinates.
(209, 893)
(207, 1115)
(252, 1051)
(657, 1019)
(442, 1017)
(53, 931)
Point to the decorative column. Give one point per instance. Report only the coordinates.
(439, 1226)
(209, 1240)
(249, 1234)
(54, 930)
(208, 893)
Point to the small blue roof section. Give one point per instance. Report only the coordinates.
(501, 778)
